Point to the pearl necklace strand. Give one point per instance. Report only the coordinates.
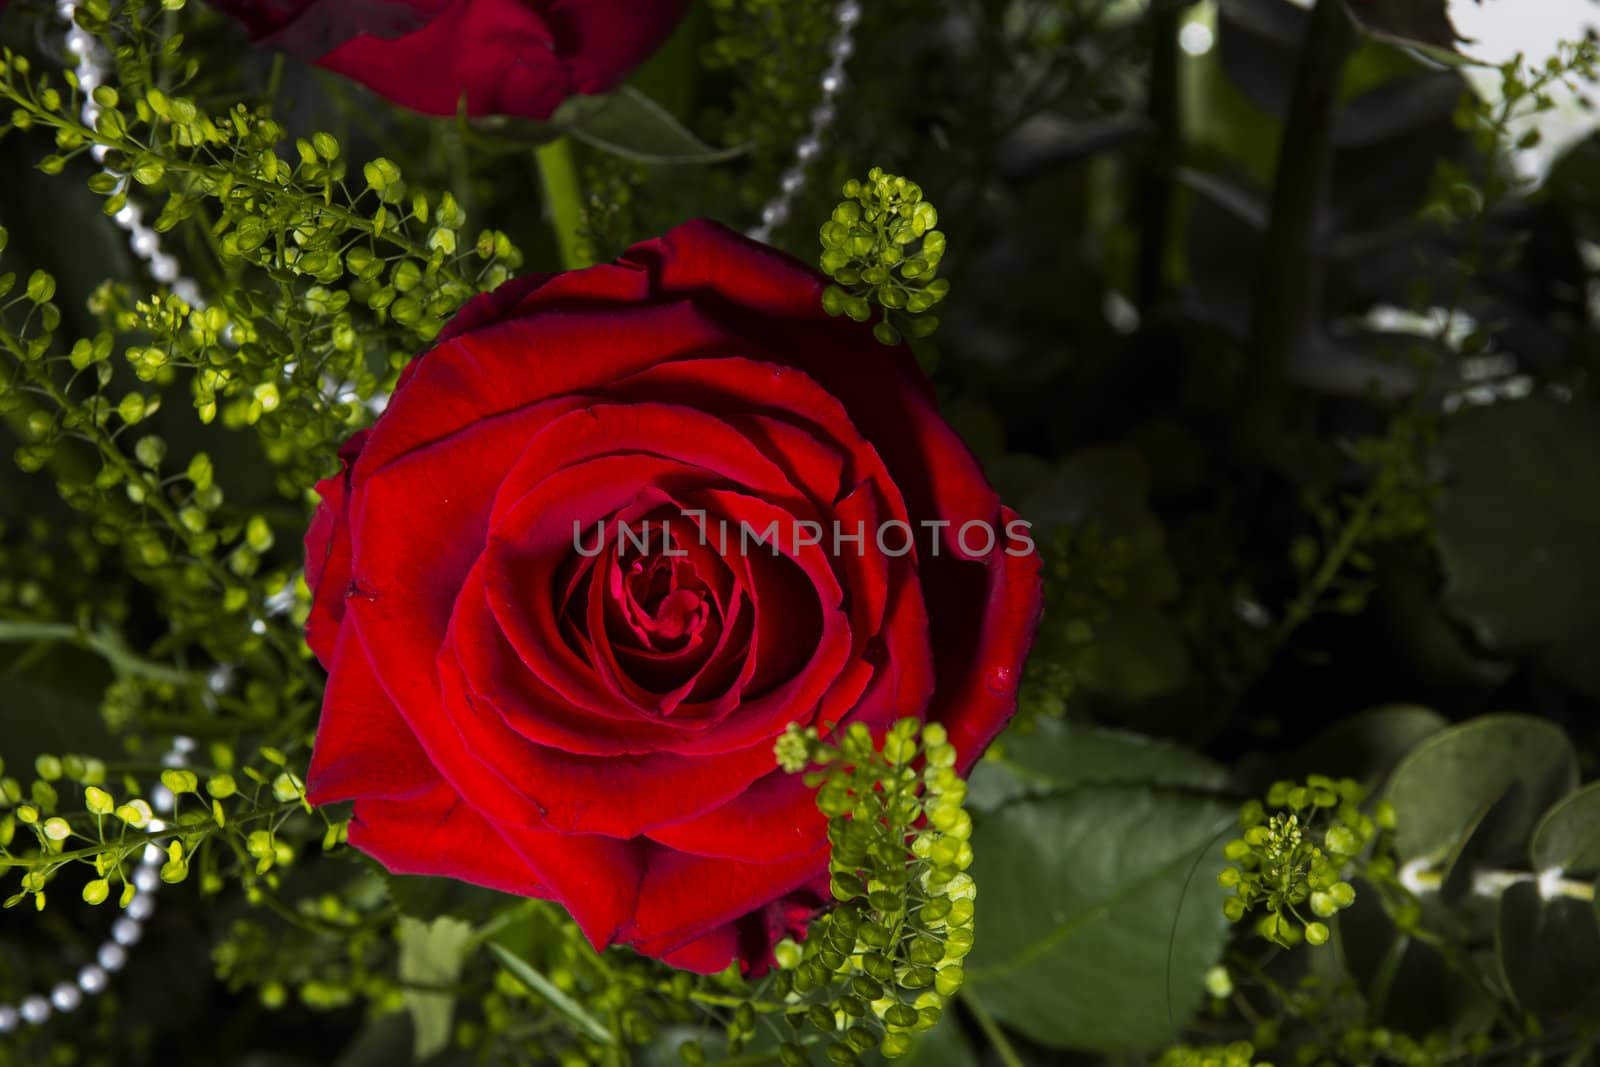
(126, 930)
(90, 66)
(840, 48)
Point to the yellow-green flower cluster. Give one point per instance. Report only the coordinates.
(881, 966)
(1295, 855)
(881, 248)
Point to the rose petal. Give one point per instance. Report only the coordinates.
(434, 832)
(328, 554)
(618, 795)
(683, 898)
(979, 655)
(363, 747)
(513, 363)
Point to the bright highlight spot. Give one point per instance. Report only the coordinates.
(1196, 38)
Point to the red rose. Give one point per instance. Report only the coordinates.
(508, 57)
(520, 700)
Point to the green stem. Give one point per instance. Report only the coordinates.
(107, 645)
(134, 842)
(563, 198)
(156, 501)
(216, 176)
(997, 1037)
(1378, 997)
(1164, 109)
(1286, 285)
(1305, 604)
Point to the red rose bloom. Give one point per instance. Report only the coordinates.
(508, 57)
(524, 694)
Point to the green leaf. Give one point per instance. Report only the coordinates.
(1568, 836)
(1491, 826)
(1407, 982)
(629, 124)
(1549, 952)
(1055, 756)
(1521, 513)
(1443, 788)
(1367, 746)
(431, 953)
(1096, 924)
(528, 976)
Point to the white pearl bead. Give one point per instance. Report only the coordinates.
(144, 242)
(849, 13)
(283, 600)
(35, 1010)
(147, 879)
(161, 798)
(842, 48)
(822, 116)
(808, 149)
(8, 1018)
(775, 213)
(164, 269)
(99, 152)
(792, 181)
(66, 997)
(93, 980)
(126, 932)
(140, 908)
(111, 956)
(184, 745)
(127, 216)
(832, 81)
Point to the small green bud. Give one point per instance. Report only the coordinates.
(98, 801)
(1341, 841)
(41, 287)
(180, 781)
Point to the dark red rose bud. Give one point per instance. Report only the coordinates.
(506, 57)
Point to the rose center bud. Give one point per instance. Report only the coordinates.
(659, 612)
(663, 601)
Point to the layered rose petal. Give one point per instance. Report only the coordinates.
(685, 897)
(616, 532)
(436, 832)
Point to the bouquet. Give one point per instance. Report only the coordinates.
(584, 531)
